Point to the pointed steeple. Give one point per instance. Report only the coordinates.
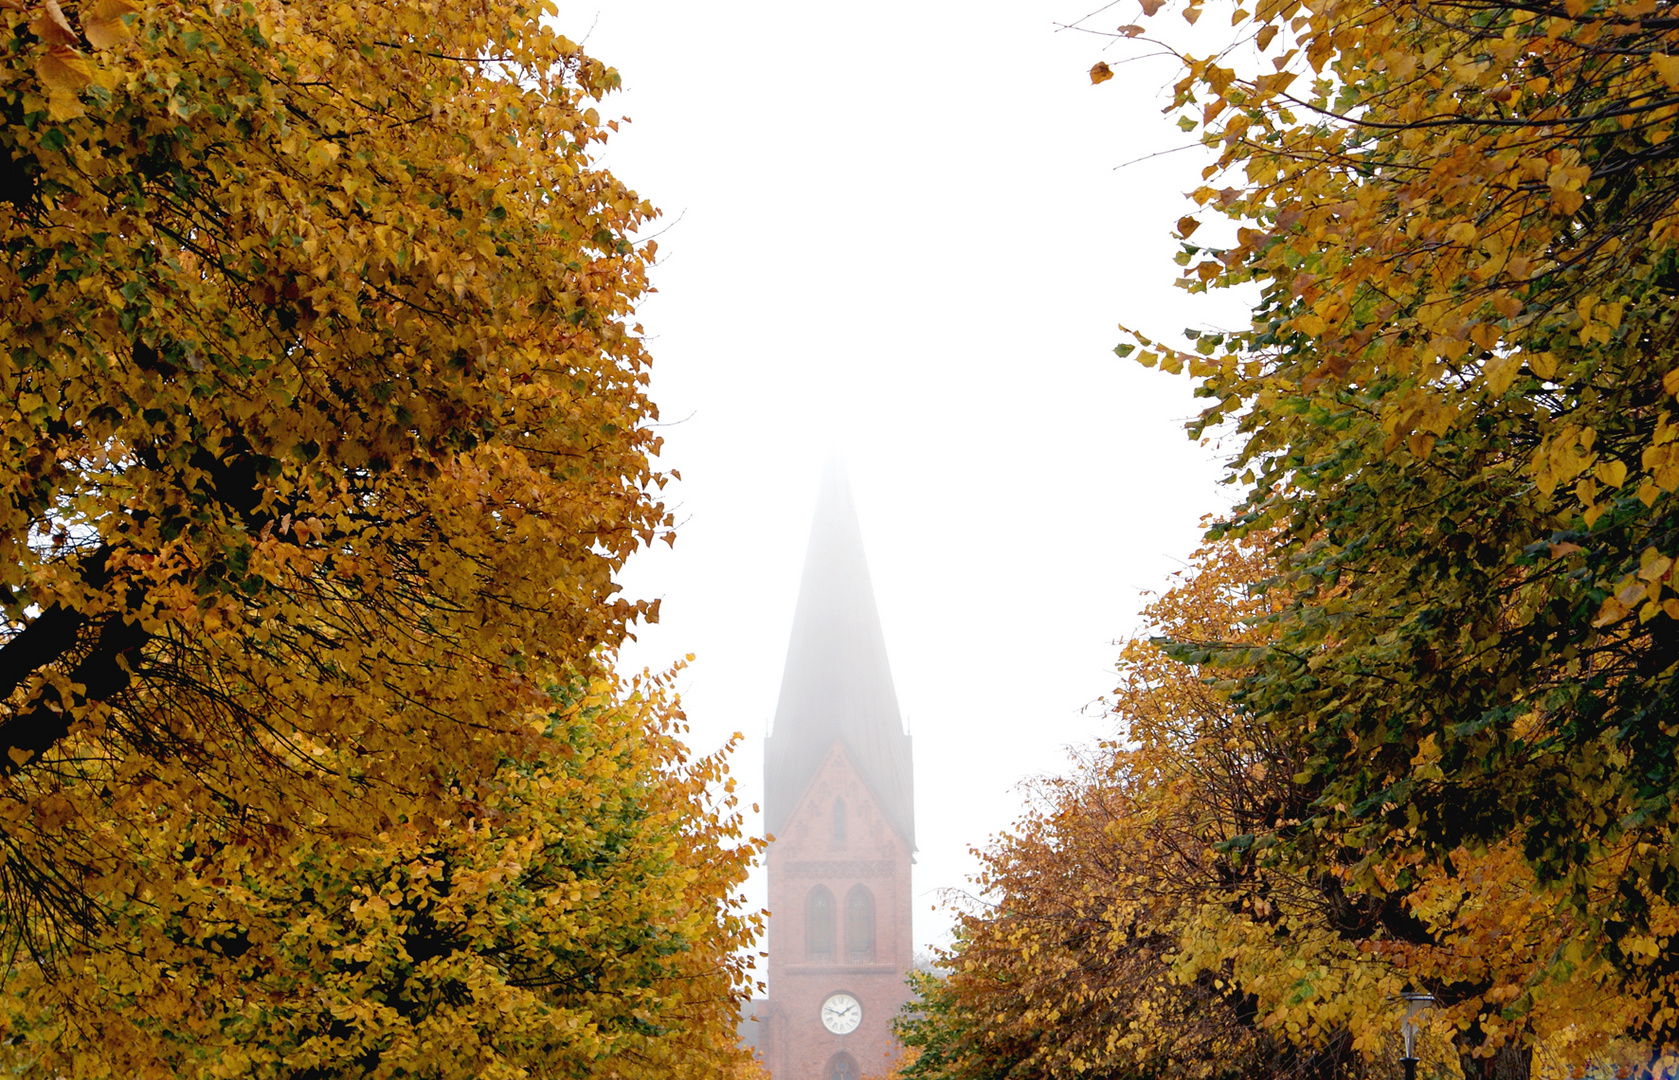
(837, 685)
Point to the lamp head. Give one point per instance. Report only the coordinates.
(1415, 1003)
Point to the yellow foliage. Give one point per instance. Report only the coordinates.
(325, 429)
(1453, 418)
(325, 434)
(1141, 921)
(575, 914)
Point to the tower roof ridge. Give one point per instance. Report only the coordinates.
(837, 682)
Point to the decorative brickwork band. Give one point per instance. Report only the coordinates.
(853, 868)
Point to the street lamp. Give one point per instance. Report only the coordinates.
(1414, 1005)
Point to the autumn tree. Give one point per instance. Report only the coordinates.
(1071, 961)
(326, 436)
(1455, 402)
(577, 915)
(1133, 924)
(326, 427)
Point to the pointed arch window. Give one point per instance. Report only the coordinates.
(819, 924)
(839, 821)
(841, 1067)
(859, 925)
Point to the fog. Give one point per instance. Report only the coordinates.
(897, 233)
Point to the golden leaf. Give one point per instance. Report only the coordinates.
(1266, 33)
(52, 27)
(1100, 73)
(1186, 226)
(1310, 323)
(1611, 611)
(63, 70)
(1666, 68)
(104, 24)
(1152, 6)
(1500, 372)
(64, 105)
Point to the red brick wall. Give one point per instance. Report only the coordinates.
(793, 1043)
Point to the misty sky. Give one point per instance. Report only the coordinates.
(897, 232)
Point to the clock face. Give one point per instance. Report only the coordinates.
(841, 1014)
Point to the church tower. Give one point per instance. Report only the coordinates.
(840, 803)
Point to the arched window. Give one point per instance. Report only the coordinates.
(859, 925)
(819, 924)
(841, 1067)
(839, 821)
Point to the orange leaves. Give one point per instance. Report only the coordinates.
(1100, 73)
(61, 67)
(105, 24)
(1153, 870)
(52, 27)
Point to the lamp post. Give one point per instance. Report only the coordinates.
(1414, 1005)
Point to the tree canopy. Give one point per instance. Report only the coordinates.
(326, 434)
(577, 914)
(1455, 402)
(1129, 926)
(1409, 724)
(326, 426)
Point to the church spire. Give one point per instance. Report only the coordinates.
(837, 685)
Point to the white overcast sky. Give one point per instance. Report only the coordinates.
(897, 231)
